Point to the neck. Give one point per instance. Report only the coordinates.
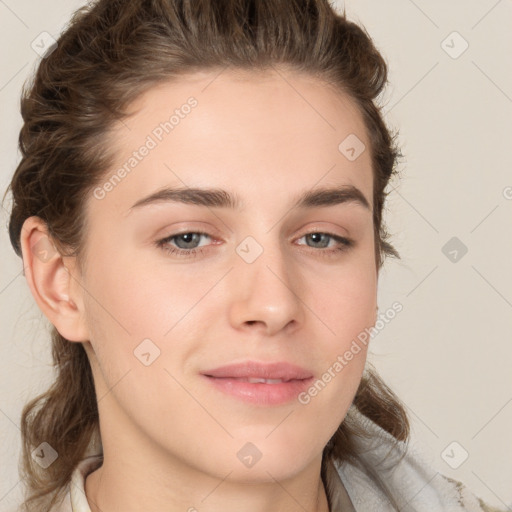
(130, 485)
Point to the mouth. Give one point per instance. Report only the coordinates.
(260, 383)
(256, 380)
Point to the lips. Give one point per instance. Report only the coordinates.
(278, 372)
(260, 383)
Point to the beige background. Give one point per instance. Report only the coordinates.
(448, 354)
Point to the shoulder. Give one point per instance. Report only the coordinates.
(413, 483)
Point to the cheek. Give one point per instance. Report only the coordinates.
(347, 314)
(135, 308)
(344, 302)
(120, 314)
(133, 301)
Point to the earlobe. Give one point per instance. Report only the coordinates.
(49, 280)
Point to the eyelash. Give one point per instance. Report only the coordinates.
(345, 244)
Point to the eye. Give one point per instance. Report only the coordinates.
(321, 241)
(185, 242)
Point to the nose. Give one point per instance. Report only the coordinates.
(266, 294)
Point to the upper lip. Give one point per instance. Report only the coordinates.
(252, 369)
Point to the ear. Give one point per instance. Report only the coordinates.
(52, 281)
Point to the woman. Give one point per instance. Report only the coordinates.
(199, 212)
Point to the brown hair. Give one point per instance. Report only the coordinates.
(110, 53)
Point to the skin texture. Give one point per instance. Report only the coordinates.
(170, 439)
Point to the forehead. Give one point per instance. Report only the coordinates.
(274, 132)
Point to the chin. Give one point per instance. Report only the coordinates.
(280, 455)
(279, 466)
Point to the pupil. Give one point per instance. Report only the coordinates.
(187, 238)
(316, 237)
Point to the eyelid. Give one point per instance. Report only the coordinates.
(179, 228)
(324, 229)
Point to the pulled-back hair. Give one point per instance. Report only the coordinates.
(111, 52)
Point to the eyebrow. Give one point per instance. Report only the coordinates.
(220, 198)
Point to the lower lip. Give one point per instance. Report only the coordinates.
(259, 392)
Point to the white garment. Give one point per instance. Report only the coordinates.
(415, 486)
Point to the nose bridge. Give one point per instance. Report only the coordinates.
(265, 289)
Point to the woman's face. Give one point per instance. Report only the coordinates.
(267, 283)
